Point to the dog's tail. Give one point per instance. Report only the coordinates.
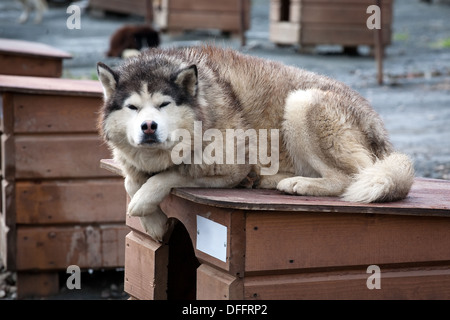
(389, 179)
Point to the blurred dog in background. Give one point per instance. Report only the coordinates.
(130, 39)
(39, 6)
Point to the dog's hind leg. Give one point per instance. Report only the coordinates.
(325, 147)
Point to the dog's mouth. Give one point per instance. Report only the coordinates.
(148, 142)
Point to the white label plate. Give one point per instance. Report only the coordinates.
(212, 238)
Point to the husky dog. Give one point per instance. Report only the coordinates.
(331, 142)
(28, 5)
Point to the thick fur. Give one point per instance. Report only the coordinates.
(39, 6)
(331, 142)
(133, 37)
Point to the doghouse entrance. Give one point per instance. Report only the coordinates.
(182, 266)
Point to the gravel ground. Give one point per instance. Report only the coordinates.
(414, 101)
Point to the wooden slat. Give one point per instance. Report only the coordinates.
(398, 284)
(66, 201)
(145, 267)
(207, 5)
(30, 66)
(337, 14)
(318, 240)
(60, 156)
(428, 197)
(37, 284)
(28, 48)
(312, 34)
(198, 20)
(8, 245)
(213, 284)
(51, 247)
(55, 113)
(55, 86)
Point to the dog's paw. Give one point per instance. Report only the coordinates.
(141, 204)
(155, 225)
(292, 185)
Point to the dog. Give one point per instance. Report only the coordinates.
(330, 141)
(40, 6)
(132, 37)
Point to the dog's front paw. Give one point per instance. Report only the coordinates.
(155, 225)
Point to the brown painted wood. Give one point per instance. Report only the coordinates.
(8, 241)
(397, 284)
(39, 113)
(56, 86)
(30, 66)
(57, 247)
(145, 267)
(37, 284)
(213, 284)
(428, 197)
(70, 201)
(320, 240)
(28, 48)
(60, 156)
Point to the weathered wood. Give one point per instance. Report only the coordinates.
(423, 193)
(145, 267)
(25, 58)
(37, 284)
(398, 284)
(57, 247)
(8, 245)
(28, 48)
(50, 86)
(319, 240)
(70, 201)
(39, 113)
(59, 156)
(213, 284)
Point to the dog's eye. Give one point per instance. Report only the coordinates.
(164, 104)
(132, 107)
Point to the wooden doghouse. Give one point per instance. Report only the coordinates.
(58, 207)
(331, 22)
(25, 58)
(261, 244)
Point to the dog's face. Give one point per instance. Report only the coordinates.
(146, 101)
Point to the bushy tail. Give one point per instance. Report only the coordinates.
(389, 179)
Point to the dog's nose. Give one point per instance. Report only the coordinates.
(149, 127)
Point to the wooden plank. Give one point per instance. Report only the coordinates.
(312, 34)
(56, 247)
(55, 86)
(112, 166)
(37, 284)
(60, 156)
(28, 48)
(145, 267)
(185, 20)
(30, 66)
(428, 197)
(317, 240)
(426, 283)
(213, 284)
(284, 33)
(70, 201)
(207, 5)
(351, 15)
(8, 244)
(55, 113)
(137, 7)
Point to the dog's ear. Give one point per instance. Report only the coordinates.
(188, 79)
(108, 79)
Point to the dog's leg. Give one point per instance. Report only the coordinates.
(25, 12)
(271, 181)
(41, 7)
(326, 149)
(145, 202)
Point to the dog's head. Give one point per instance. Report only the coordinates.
(145, 100)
